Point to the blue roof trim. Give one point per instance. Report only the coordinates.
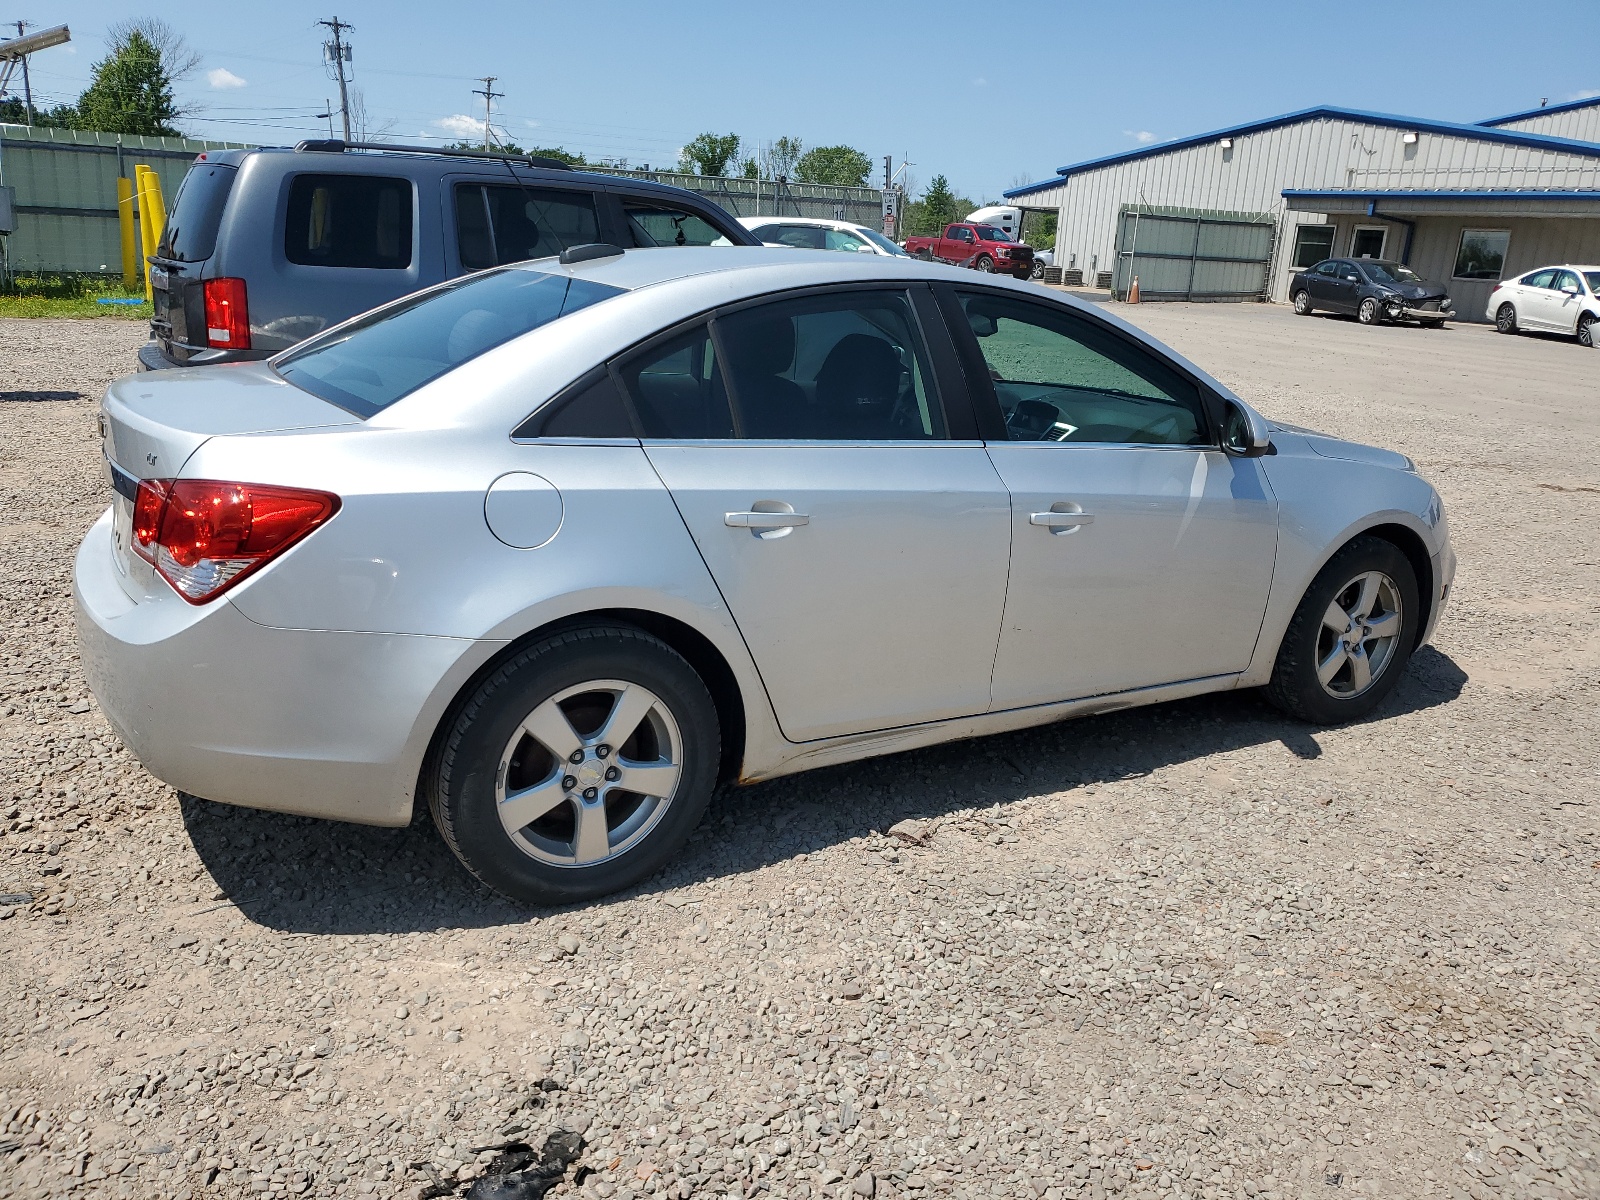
(1542, 110)
(1420, 194)
(1479, 133)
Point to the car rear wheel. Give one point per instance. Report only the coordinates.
(1586, 325)
(1302, 303)
(984, 263)
(1367, 313)
(1350, 639)
(1505, 318)
(579, 767)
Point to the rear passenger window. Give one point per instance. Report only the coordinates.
(848, 367)
(678, 390)
(349, 221)
(499, 224)
(591, 408)
(655, 224)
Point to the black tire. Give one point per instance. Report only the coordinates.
(1295, 687)
(1505, 318)
(1302, 303)
(1586, 325)
(463, 792)
(983, 263)
(1368, 311)
(1432, 324)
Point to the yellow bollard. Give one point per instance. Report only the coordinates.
(152, 218)
(130, 241)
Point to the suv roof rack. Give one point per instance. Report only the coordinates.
(337, 146)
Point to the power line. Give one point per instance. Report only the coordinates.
(340, 53)
(489, 96)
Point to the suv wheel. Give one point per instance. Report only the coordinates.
(984, 263)
(579, 767)
(1350, 638)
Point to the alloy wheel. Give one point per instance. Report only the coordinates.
(1586, 331)
(1360, 631)
(1302, 303)
(1505, 319)
(984, 263)
(589, 773)
(1367, 314)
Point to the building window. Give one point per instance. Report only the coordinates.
(1367, 241)
(1312, 244)
(1482, 253)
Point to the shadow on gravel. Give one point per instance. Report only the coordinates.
(302, 875)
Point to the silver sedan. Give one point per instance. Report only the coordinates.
(560, 547)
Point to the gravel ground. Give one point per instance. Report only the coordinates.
(1208, 953)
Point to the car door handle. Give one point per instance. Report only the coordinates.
(1060, 520)
(765, 520)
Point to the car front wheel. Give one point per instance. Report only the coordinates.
(1038, 270)
(1350, 639)
(1367, 314)
(579, 767)
(984, 263)
(1505, 318)
(1586, 324)
(1302, 303)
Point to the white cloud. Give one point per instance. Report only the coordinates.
(461, 125)
(980, 81)
(1142, 136)
(531, 123)
(1586, 94)
(223, 79)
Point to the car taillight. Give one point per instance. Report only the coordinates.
(203, 536)
(227, 314)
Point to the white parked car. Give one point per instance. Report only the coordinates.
(819, 233)
(556, 548)
(1563, 299)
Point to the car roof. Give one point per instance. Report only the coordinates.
(749, 268)
(826, 222)
(420, 163)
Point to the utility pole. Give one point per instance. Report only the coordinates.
(489, 97)
(340, 53)
(888, 161)
(27, 87)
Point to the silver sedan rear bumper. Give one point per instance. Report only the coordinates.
(320, 723)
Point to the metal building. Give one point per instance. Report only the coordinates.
(1233, 213)
(1579, 120)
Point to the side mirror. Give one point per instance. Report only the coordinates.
(1244, 432)
(865, 249)
(1569, 290)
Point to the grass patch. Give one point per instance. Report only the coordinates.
(71, 296)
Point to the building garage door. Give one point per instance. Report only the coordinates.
(1192, 254)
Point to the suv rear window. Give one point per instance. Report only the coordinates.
(349, 221)
(191, 232)
(369, 363)
(505, 223)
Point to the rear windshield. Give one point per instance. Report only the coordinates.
(191, 232)
(367, 365)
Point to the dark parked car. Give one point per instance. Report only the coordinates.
(264, 248)
(1370, 289)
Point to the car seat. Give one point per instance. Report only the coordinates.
(858, 387)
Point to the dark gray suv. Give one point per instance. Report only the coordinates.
(264, 248)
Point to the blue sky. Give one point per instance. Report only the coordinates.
(986, 94)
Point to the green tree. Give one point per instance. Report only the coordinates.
(750, 169)
(938, 204)
(781, 158)
(131, 88)
(570, 157)
(14, 112)
(709, 154)
(840, 166)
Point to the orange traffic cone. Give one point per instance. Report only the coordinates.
(1133, 292)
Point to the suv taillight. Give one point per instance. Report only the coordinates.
(203, 536)
(227, 315)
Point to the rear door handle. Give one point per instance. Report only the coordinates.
(765, 520)
(1061, 520)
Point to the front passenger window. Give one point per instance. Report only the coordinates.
(656, 224)
(1062, 378)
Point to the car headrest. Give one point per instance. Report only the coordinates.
(860, 377)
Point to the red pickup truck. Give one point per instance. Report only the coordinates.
(982, 247)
